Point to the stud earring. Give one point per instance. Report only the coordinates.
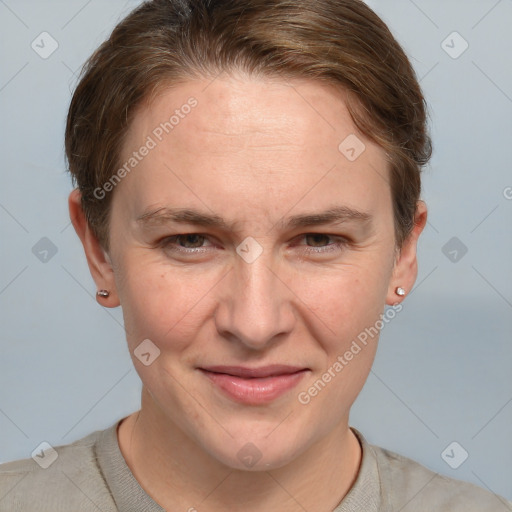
(400, 291)
(103, 293)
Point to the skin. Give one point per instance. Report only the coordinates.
(253, 151)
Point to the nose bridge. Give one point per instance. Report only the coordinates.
(257, 284)
(258, 305)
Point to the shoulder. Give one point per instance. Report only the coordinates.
(409, 486)
(62, 478)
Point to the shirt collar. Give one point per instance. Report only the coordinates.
(128, 495)
(365, 494)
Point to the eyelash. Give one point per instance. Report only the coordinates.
(170, 243)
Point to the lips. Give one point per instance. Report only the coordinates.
(255, 373)
(254, 386)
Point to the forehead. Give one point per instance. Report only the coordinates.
(257, 112)
(264, 142)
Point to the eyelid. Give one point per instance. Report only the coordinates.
(339, 242)
(168, 241)
(321, 233)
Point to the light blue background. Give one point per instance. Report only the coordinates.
(443, 371)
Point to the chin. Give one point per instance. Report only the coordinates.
(258, 452)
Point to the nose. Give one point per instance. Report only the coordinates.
(256, 305)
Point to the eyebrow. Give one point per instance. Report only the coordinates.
(334, 215)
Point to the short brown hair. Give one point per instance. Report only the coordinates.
(340, 42)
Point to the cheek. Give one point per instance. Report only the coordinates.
(347, 308)
(347, 299)
(161, 303)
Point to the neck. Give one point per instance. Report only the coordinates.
(179, 475)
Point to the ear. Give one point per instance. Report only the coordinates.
(405, 270)
(98, 259)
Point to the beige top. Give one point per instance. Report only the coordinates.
(92, 475)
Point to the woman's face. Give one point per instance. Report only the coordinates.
(264, 282)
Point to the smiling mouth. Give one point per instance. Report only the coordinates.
(254, 386)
